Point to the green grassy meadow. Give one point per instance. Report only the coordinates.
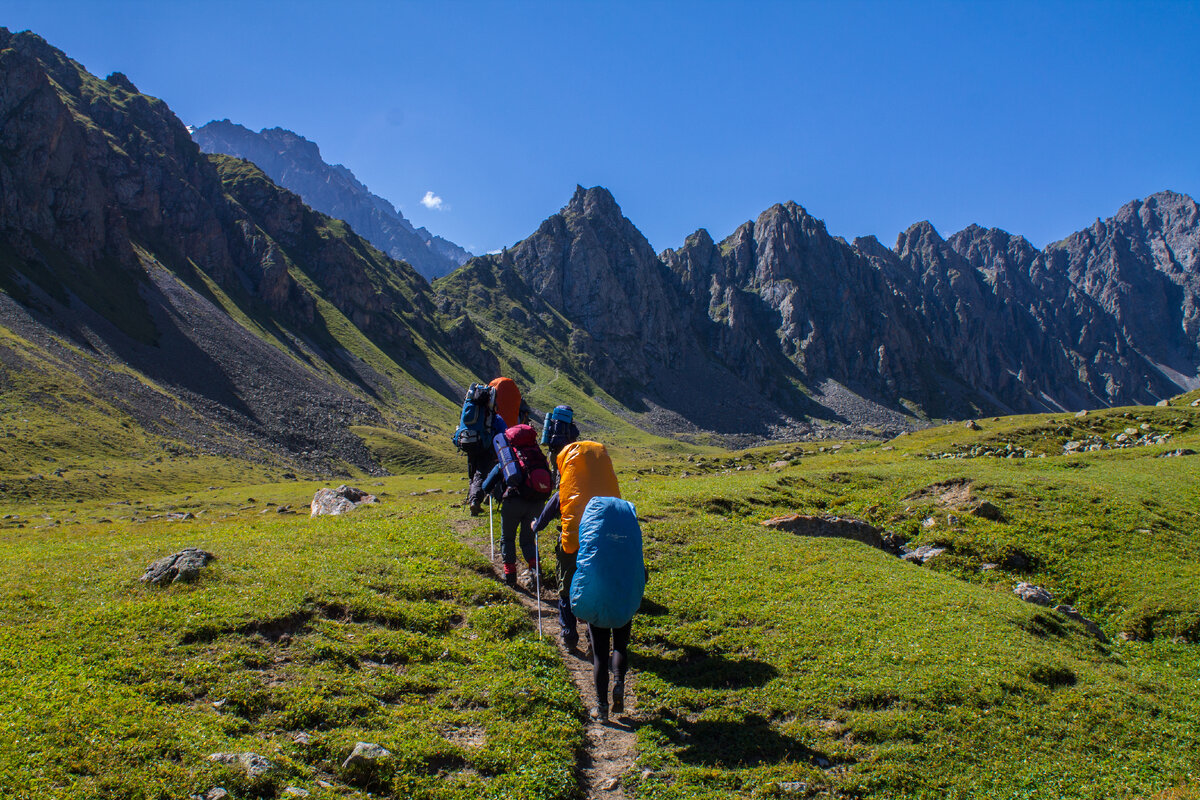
(766, 664)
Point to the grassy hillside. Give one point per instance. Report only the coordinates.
(766, 664)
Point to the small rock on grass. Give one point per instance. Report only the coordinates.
(180, 567)
(255, 765)
(365, 754)
(296, 791)
(1033, 594)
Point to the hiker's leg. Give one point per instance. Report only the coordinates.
(483, 464)
(509, 518)
(600, 637)
(620, 651)
(528, 515)
(564, 570)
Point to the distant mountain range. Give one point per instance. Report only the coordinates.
(295, 163)
(214, 308)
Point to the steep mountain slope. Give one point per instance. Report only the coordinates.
(215, 306)
(295, 163)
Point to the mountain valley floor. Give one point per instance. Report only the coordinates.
(767, 664)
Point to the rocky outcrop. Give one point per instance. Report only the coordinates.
(295, 163)
(342, 500)
(181, 567)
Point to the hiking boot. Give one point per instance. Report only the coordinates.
(600, 712)
(570, 639)
(510, 579)
(618, 704)
(528, 581)
(476, 509)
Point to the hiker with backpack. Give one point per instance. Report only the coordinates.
(599, 564)
(558, 431)
(522, 476)
(482, 418)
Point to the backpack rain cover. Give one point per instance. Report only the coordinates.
(610, 575)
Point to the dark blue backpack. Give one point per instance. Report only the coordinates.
(474, 433)
(559, 430)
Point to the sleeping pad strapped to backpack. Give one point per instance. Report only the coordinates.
(610, 575)
(507, 400)
(585, 472)
(475, 422)
(522, 463)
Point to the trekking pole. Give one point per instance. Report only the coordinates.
(491, 528)
(537, 579)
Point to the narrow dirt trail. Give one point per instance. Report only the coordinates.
(610, 748)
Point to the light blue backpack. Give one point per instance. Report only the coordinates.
(610, 575)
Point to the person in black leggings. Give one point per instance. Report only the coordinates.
(602, 662)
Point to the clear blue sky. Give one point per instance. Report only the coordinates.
(1032, 117)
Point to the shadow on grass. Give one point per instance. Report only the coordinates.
(749, 742)
(698, 669)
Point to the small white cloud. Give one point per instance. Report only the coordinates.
(495, 252)
(432, 201)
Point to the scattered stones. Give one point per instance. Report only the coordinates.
(1183, 451)
(365, 757)
(779, 464)
(988, 566)
(1163, 403)
(285, 509)
(922, 554)
(611, 785)
(339, 501)
(1195, 403)
(1093, 628)
(254, 765)
(1033, 594)
(1081, 414)
(181, 567)
(793, 787)
(972, 425)
(929, 522)
(302, 739)
(296, 791)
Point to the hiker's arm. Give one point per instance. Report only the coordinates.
(549, 513)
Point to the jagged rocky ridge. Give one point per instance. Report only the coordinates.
(982, 321)
(295, 163)
(269, 328)
(782, 322)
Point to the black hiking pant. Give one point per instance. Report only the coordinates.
(602, 662)
(518, 514)
(564, 570)
(478, 467)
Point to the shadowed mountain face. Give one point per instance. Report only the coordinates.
(295, 163)
(255, 325)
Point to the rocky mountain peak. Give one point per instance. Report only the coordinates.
(594, 202)
(294, 162)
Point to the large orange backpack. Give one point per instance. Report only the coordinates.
(508, 400)
(585, 471)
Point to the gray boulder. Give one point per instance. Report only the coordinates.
(341, 500)
(1033, 594)
(181, 567)
(365, 759)
(253, 764)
